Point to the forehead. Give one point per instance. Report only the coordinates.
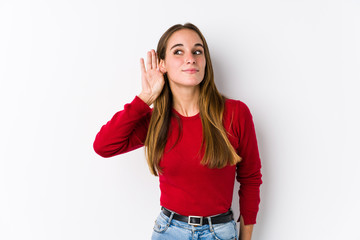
(185, 37)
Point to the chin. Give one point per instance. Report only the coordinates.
(188, 81)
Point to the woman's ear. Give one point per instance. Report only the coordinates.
(162, 67)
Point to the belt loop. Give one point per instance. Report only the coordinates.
(171, 216)
(210, 224)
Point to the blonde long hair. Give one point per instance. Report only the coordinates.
(218, 151)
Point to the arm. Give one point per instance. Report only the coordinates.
(248, 172)
(245, 230)
(127, 129)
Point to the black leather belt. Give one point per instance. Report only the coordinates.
(199, 221)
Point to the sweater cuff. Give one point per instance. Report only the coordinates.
(248, 219)
(140, 106)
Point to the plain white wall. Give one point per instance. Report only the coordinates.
(67, 66)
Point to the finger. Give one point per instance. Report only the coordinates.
(153, 59)
(142, 66)
(148, 61)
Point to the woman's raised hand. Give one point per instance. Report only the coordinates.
(152, 78)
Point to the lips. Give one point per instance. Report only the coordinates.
(191, 70)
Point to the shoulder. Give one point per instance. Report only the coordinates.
(237, 117)
(236, 108)
(236, 114)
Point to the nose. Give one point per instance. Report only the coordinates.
(190, 59)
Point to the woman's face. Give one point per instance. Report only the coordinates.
(184, 59)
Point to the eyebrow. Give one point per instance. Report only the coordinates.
(181, 45)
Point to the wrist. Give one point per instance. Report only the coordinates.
(146, 98)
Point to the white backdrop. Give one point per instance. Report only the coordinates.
(67, 66)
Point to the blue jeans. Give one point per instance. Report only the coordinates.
(167, 228)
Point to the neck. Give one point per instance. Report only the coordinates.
(186, 100)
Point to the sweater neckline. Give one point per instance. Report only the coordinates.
(196, 116)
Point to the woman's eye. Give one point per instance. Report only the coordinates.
(179, 52)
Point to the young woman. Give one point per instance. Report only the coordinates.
(195, 140)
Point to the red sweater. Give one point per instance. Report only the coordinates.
(187, 187)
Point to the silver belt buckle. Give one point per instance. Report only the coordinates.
(195, 224)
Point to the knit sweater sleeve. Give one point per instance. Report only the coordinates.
(248, 172)
(126, 131)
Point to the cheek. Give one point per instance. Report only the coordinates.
(174, 64)
(203, 63)
(201, 59)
